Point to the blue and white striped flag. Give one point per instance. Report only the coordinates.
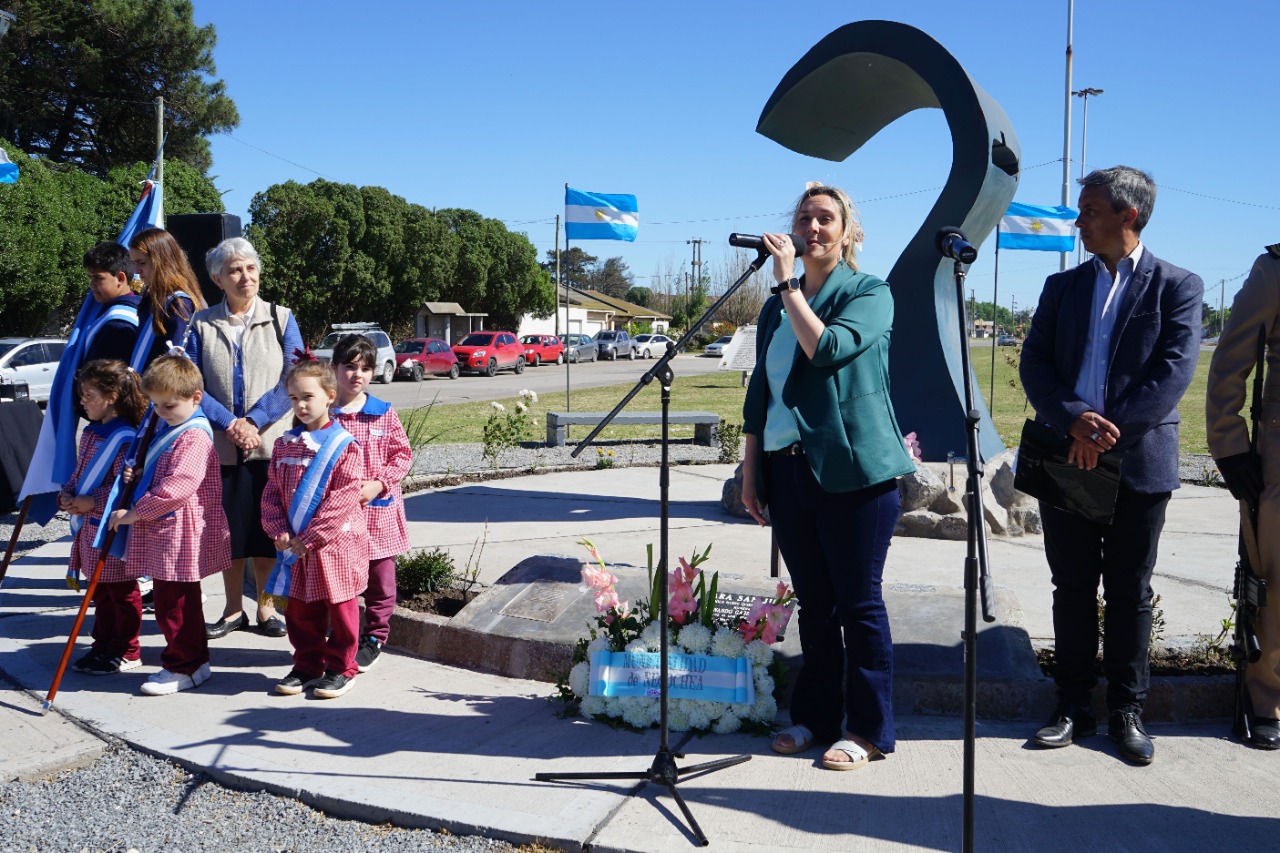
(8, 169)
(1047, 229)
(600, 216)
(54, 459)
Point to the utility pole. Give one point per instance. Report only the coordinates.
(160, 141)
(1013, 315)
(1222, 295)
(973, 312)
(695, 264)
(1066, 127)
(1084, 94)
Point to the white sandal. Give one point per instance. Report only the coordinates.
(801, 739)
(859, 756)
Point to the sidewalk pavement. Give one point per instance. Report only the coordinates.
(427, 745)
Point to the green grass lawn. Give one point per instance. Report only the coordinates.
(722, 393)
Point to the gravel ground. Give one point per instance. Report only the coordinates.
(131, 801)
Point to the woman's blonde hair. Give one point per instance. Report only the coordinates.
(170, 273)
(848, 217)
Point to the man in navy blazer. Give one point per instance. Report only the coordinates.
(1112, 348)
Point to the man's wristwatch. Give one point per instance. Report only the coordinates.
(791, 284)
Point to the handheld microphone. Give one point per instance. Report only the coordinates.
(751, 241)
(952, 244)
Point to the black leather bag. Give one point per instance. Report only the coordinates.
(1043, 472)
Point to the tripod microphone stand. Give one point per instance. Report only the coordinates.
(977, 574)
(664, 771)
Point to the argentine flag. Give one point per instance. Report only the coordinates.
(8, 170)
(1047, 229)
(600, 216)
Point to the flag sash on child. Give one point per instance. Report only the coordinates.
(304, 503)
(54, 459)
(164, 437)
(1046, 229)
(114, 434)
(600, 216)
(147, 336)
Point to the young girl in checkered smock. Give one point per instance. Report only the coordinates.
(311, 509)
(176, 530)
(387, 459)
(113, 402)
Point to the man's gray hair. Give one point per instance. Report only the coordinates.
(1126, 187)
(230, 249)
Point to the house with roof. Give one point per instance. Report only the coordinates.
(446, 321)
(586, 312)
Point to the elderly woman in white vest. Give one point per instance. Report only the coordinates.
(244, 346)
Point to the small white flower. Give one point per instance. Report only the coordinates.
(593, 705)
(579, 678)
(728, 643)
(531, 396)
(652, 636)
(759, 653)
(699, 718)
(635, 710)
(727, 724)
(765, 709)
(521, 408)
(498, 407)
(764, 681)
(636, 645)
(599, 644)
(695, 638)
(678, 715)
(613, 706)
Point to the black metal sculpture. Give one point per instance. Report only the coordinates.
(851, 85)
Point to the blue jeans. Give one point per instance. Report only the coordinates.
(834, 544)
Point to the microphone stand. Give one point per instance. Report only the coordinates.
(976, 567)
(663, 771)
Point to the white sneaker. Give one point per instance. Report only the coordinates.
(165, 682)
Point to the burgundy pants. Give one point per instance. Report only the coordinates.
(380, 599)
(324, 635)
(180, 615)
(117, 619)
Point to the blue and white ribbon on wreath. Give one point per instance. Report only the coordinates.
(707, 677)
(163, 439)
(333, 439)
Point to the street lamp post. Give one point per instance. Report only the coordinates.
(1084, 94)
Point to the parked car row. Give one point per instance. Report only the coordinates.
(33, 361)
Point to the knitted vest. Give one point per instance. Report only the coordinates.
(262, 363)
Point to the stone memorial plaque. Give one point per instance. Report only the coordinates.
(731, 605)
(542, 601)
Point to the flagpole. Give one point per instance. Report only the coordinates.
(1066, 131)
(568, 405)
(995, 344)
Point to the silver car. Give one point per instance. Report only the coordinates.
(33, 361)
(651, 346)
(580, 348)
(613, 343)
(385, 371)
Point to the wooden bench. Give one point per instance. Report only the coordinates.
(704, 423)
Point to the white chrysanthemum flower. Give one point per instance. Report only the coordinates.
(728, 643)
(765, 709)
(599, 644)
(759, 653)
(521, 408)
(498, 407)
(636, 645)
(764, 681)
(740, 709)
(727, 724)
(613, 706)
(593, 706)
(652, 637)
(678, 715)
(695, 638)
(580, 678)
(635, 711)
(531, 396)
(699, 718)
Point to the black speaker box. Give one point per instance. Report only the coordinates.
(197, 233)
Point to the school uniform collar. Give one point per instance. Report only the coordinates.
(372, 407)
(106, 428)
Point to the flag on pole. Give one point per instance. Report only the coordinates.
(600, 216)
(1047, 229)
(54, 460)
(8, 169)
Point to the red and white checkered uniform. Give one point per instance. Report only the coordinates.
(387, 458)
(336, 565)
(83, 554)
(193, 542)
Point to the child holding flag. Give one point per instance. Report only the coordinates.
(311, 509)
(179, 532)
(111, 399)
(387, 459)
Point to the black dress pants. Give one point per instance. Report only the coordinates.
(1123, 555)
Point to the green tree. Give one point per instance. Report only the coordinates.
(612, 277)
(80, 80)
(639, 296)
(575, 266)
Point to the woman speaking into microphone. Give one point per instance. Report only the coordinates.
(823, 450)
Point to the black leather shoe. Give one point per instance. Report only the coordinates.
(1065, 726)
(1126, 730)
(225, 626)
(272, 626)
(1266, 733)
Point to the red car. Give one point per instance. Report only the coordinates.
(489, 352)
(421, 356)
(540, 348)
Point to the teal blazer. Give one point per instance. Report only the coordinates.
(840, 397)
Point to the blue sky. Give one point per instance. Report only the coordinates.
(494, 106)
